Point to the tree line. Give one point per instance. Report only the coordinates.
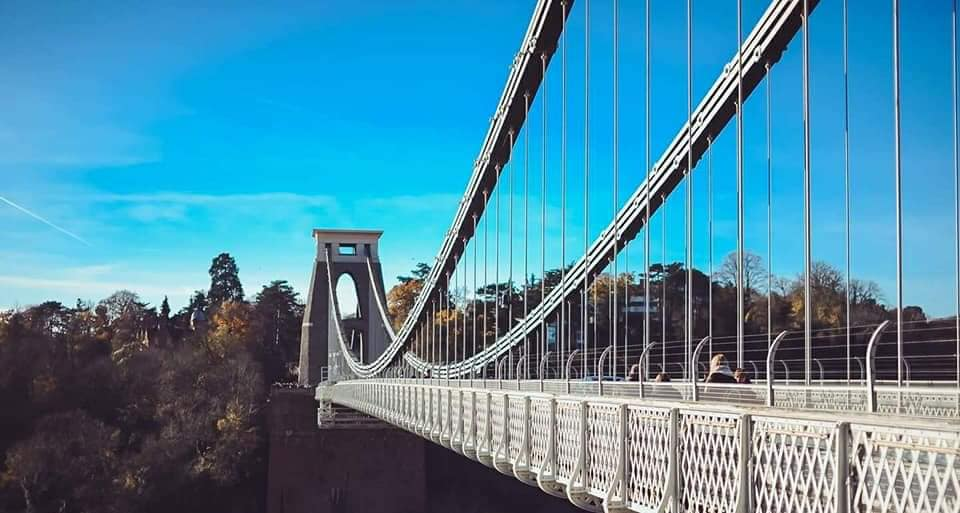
(770, 302)
(122, 406)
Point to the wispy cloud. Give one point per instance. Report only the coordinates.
(90, 286)
(43, 220)
(44, 133)
(217, 199)
(410, 203)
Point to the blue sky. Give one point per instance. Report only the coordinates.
(161, 135)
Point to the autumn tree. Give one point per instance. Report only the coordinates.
(403, 295)
(400, 301)
(829, 297)
(230, 327)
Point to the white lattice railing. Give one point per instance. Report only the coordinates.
(621, 454)
(941, 401)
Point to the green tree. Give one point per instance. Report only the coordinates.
(165, 310)
(277, 317)
(224, 281)
(419, 273)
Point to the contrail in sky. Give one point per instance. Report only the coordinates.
(44, 221)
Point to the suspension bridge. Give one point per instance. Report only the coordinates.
(577, 379)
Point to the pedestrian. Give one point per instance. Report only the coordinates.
(741, 376)
(720, 370)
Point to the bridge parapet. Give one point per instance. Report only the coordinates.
(621, 454)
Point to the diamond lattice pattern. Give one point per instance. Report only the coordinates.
(648, 455)
(793, 465)
(904, 472)
(709, 457)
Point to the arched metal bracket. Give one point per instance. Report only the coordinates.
(872, 366)
(643, 355)
(577, 490)
(569, 367)
(547, 476)
(693, 366)
(771, 359)
(600, 362)
(522, 363)
(541, 368)
(521, 468)
(501, 456)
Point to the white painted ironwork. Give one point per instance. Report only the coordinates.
(621, 454)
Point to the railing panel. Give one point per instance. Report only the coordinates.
(516, 420)
(469, 424)
(709, 461)
(588, 388)
(732, 394)
(673, 391)
(601, 461)
(794, 465)
(648, 455)
(435, 412)
(568, 438)
(484, 446)
(539, 431)
(444, 397)
(906, 471)
(457, 417)
(497, 405)
(919, 403)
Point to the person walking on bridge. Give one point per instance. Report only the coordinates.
(720, 370)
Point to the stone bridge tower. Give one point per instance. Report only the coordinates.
(363, 329)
